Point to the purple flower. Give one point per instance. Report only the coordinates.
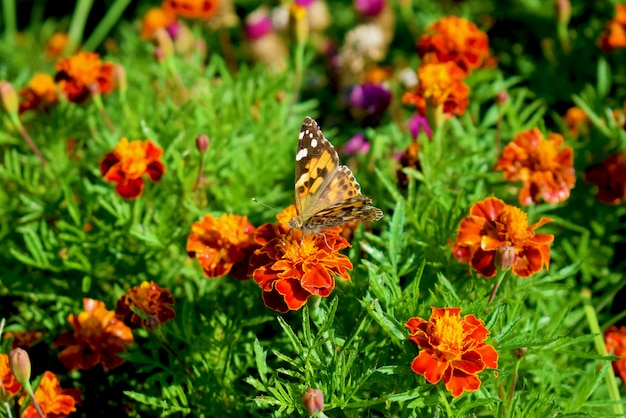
(369, 7)
(258, 25)
(304, 3)
(374, 99)
(356, 145)
(416, 124)
(173, 29)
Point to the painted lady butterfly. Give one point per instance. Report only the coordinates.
(326, 193)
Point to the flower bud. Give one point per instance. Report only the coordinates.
(502, 97)
(119, 78)
(299, 23)
(313, 401)
(202, 143)
(505, 257)
(563, 11)
(163, 41)
(520, 353)
(10, 102)
(369, 7)
(19, 362)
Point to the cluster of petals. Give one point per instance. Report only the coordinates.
(610, 177)
(453, 348)
(129, 162)
(454, 39)
(147, 305)
(193, 9)
(40, 93)
(156, 18)
(222, 245)
(84, 75)
(440, 86)
(292, 266)
(10, 385)
(575, 118)
(98, 337)
(494, 229)
(544, 166)
(614, 35)
(615, 342)
(55, 402)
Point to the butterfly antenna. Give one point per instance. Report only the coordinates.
(254, 199)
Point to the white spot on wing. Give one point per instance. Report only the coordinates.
(301, 135)
(301, 154)
(314, 143)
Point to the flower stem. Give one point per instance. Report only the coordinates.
(445, 403)
(104, 27)
(77, 25)
(31, 394)
(18, 124)
(97, 99)
(10, 21)
(167, 345)
(499, 279)
(7, 407)
(598, 340)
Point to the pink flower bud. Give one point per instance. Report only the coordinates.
(313, 401)
(19, 362)
(9, 97)
(202, 143)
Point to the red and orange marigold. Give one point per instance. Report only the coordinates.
(10, 385)
(544, 166)
(84, 75)
(610, 177)
(457, 40)
(193, 9)
(440, 87)
(146, 305)
(291, 267)
(452, 349)
(614, 35)
(495, 230)
(98, 337)
(40, 93)
(55, 402)
(129, 162)
(615, 341)
(222, 245)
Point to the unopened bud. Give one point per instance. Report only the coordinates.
(520, 353)
(163, 41)
(10, 102)
(505, 257)
(313, 401)
(19, 362)
(502, 97)
(202, 143)
(563, 11)
(119, 77)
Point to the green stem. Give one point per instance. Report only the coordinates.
(499, 279)
(97, 99)
(298, 73)
(77, 25)
(29, 389)
(445, 403)
(31, 144)
(7, 407)
(104, 27)
(598, 340)
(10, 21)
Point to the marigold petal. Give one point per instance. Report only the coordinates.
(294, 295)
(131, 189)
(429, 367)
(529, 261)
(484, 263)
(457, 382)
(488, 208)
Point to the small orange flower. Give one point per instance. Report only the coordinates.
(156, 18)
(98, 337)
(290, 267)
(610, 177)
(452, 348)
(458, 40)
(575, 118)
(545, 167)
(614, 36)
(493, 225)
(23, 339)
(193, 9)
(146, 305)
(10, 385)
(440, 85)
(56, 44)
(129, 162)
(615, 341)
(83, 75)
(223, 245)
(40, 93)
(55, 402)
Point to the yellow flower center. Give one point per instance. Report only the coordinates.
(297, 249)
(42, 84)
(132, 157)
(448, 336)
(84, 67)
(514, 224)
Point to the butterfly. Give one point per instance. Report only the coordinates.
(326, 194)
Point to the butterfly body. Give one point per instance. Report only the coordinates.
(326, 194)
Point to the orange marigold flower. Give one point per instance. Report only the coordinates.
(40, 93)
(82, 75)
(545, 167)
(55, 402)
(493, 225)
(610, 177)
(290, 267)
(575, 118)
(615, 341)
(223, 245)
(146, 305)
(10, 385)
(23, 339)
(193, 9)
(56, 44)
(156, 18)
(129, 162)
(98, 337)
(440, 85)
(452, 348)
(614, 36)
(458, 40)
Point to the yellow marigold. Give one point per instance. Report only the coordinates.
(440, 85)
(155, 18)
(56, 44)
(193, 9)
(458, 40)
(41, 92)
